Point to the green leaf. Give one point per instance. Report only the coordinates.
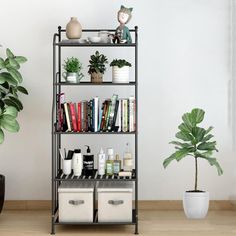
(1, 136)
(183, 127)
(15, 74)
(209, 129)
(207, 137)
(13, 63)
(11, 126)
(198, 134)
(197, 115)
(209, 146)
(9, 53)
(22, 90)
(7, 78)
(9, 102)
(182, 145)
(184, 136)
(214, 162)
(20, 59)
(2, 63)
(178, 155)
(17, 101)
(188, 120)
(11, 111)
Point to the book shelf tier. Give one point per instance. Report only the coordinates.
(100, 132)
(95, 84)
(94, 177)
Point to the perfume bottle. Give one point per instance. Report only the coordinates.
(109, 162)
(127, 160)
(117, 165)
(101, 162)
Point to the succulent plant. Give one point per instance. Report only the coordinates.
(120, 63)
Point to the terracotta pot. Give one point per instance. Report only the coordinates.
(2, 191)
(73, 29)
(96, 77)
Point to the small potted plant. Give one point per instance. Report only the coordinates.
(195, 143)
(72, 67)
(97, 67)
(10, 104)
(120, 71)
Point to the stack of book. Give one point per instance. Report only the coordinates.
(112, 115)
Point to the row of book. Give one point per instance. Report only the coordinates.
(113, 114)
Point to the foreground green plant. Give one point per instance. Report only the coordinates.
(10, 80)
(196, 143)
(120, 63)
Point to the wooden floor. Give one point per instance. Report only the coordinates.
(158, 223)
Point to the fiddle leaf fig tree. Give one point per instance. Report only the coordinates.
(10, 85)
(194, 142)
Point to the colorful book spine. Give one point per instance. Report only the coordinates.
(112, 112)
(95, 112)
(67, 117)
(107, 114)
(84, 116)
(73, 116)
(79, 118)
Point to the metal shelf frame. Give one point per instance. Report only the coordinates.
(57, 176)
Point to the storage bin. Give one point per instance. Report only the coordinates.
(76, 201)
(114, 202)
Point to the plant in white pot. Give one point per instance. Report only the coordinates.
(10, 104)
(120, 71)
(195, 143)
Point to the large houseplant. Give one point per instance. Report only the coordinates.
(120, 71)
(195, 143)
(10, 104)
(97, 67)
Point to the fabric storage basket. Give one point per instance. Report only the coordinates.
(114, 202)
(76, 202)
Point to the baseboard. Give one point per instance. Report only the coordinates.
(142, 205)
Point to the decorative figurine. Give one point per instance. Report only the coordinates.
(122, 34)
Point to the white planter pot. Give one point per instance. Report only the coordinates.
(196, 204)
(120, 75)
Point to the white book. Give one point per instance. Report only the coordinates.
(124, 111)
(118, 118)
(96, 113)
(131, 114)
(67, 116)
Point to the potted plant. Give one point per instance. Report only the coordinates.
(10, 105)
(97, 67)
(120, 71)
(72, 67)
(195, 143)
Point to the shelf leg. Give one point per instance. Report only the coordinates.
(136, 226)
(53, 227)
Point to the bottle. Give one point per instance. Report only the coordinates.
(101, 162)
(77, 162)
(127, 160)
(88, 163)
(109, 162)
(117, 165)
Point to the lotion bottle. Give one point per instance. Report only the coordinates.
(127, 160)
(88, 163)
(109, 162)
(117, 165)
(77, 162)
(101, 162)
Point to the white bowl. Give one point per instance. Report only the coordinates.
(94, 39)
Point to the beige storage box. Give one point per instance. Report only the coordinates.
(114, 202)
(76, 202)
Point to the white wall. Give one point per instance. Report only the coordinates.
(184, 63)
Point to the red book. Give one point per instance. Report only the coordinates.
(73, 116)
(79, 117)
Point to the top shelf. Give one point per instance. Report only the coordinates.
(71, 44)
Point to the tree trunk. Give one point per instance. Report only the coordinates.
(196, 174)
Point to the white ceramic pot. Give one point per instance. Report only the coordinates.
(120, 75)
(196, 204)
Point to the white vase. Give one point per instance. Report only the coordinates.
(120, 75)
(73, 29)
(196, 204)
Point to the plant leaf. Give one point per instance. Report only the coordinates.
(213, 162)
(9, 53)
(182, 145)
(20, 59)
(11, 126)
(178, 155)
(9, 102)
(15, 74)
(7, 78)
(197, 115)
(209, 129)
(198, 134)
(183, 127)
(184, 136)
(13, 64)
(207, 137)
(22, 90)
(11, 111)
(1, 136)
(188, 120)
(209, 146)
(17, 101)
(2, 63)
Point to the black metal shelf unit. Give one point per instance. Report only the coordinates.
(57, 175)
